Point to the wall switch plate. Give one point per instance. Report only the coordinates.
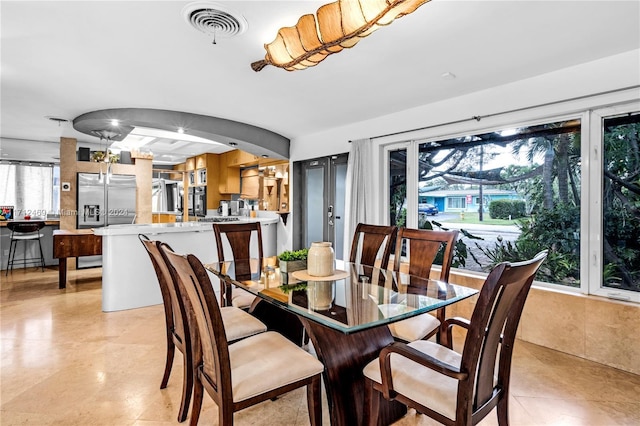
(65, 186)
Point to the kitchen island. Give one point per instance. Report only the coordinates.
(128, 278)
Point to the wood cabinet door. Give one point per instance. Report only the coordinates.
(250, 184)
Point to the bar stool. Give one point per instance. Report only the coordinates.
(25, 231)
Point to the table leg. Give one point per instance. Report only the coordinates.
(62, 272)
(344, 356)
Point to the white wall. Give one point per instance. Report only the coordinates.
(612, 73)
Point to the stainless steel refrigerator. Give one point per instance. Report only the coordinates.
(103, 202)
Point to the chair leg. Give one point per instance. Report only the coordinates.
(171, 350)
(12, 253)
(225, 417)
(198, 390)
(314, 401)
(41, 254)
(503, 410)
(24, 255)
(187, 387)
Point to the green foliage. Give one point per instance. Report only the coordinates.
(396, 208)
(288, 288)
(557, 230)
(621, 205)
(507, 209)
(401, 220)
(291, 255)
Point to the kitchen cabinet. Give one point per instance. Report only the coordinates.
(201, 161)
(202, 171)
(228, 177)
(190, 164)
(238, 158)
(250, 184)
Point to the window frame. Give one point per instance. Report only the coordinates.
(412, 203)
(593, 265)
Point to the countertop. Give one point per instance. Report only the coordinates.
(162, 228)
(47, 222)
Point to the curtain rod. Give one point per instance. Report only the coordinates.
(494, 114)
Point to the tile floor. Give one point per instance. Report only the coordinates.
(65, 362)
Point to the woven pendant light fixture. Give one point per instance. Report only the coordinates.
(335, 26)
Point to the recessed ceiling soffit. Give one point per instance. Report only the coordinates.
(253, 139)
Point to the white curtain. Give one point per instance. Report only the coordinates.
(27, 188)
(360, 189)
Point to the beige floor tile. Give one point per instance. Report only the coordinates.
(65, 362)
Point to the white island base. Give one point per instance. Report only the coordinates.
(128, 278)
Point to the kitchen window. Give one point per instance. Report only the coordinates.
(33, 188)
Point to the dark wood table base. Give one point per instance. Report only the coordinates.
(344, 357)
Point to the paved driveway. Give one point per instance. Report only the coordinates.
(488, 233)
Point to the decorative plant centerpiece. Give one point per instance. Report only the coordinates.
(293, 260)
(108, 157)
(288, 288)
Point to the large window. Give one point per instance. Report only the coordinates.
(513, 192)
(570, 185)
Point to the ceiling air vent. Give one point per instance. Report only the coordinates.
(214, 19)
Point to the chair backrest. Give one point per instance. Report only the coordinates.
(423, 246)
(175, 317)
(25, 227)
(213, 351)
(492, 331)
(239, 237)
(369, 240)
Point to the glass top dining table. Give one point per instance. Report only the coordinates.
(355, 298)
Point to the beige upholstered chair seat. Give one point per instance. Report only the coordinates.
(268, 361)
(422, 384)
(414, 328)
(241, 299)
(238, 324)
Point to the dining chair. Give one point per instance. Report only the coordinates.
(459, 388)
(372, 244)
(239, 236)
(245, 249)
(25, 232)
(238, 324)
(245, 373)
(421, 247)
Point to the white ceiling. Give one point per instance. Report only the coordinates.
(66, 58)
